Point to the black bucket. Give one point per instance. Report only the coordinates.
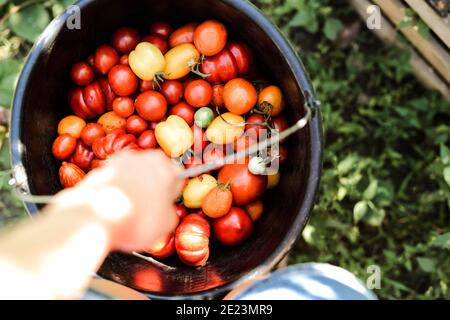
(41, 101)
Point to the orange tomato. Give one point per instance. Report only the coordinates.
(217, 202)
(274, 97)
(255, 210)
(210, 37)
(239, 96)
(71, 125)
(110, 121)
(184, 34)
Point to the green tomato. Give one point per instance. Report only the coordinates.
(257, 166)
(203, 117)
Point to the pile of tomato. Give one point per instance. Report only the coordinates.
(193, 93)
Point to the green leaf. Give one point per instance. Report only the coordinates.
(29, 22)
(445, 154)
(359, 211)
(375, 217)
(346, 165)
(306, 19)
(446, 174)
(9, 72)
(442, 241)
(371, 190)
(426, 264)
(332, 28)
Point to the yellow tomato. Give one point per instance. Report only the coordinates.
(174, 136)
(146, 61)
(274, 96)
(255, 210)
(179, 61)
(273, 179)
(224, 132)
(197, 189)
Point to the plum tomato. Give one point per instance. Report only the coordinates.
(181, 211)
(200, 140)
(70, 174)
(158, 42)
(82, 156)
(203, 117)
(198, 93)
(151, 105)
(82, 74)
(116, 141)
(105, 58)
(123, 106)
(124, 60)
(225, 128)
(255, 210)
(147, 140)
(239, 96)
(161, 28)
(218, 201)
(245, 186)
(217, 96)
(279, 123)
(136, 125)
(146, 61)
(78, 105)
(196, 190)
(233, 228)
(125, 39)
(273, 96)
(210, 37)
(122, 80)
(184, 34)
(111, 121)
(63, 146)
(172, 90)
(184, 111)
(192, 240)
(71, 125)
(92, 132)
(180, 60)
(162, 248)
(95, 98)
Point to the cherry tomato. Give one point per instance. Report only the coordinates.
(82, 156)
(221, 67)
(181, 211)
(122, 80)
(147, 140)
(161, 28)
(71, 125)
(180, 60)
(125, 39)
(233, 228)
(256, 124)
(124, 60)
(146, 61)
(105, 58)
(242, 55)
(187, 81)
(123, 106)
(148, 85)
(94, 98)
(82, 73)
(70, 174)
(151, 105)
(108, 91)
(136, 125)
(217, 202)
(210, 37)
(198, 93)
(279, 123)
(274, 97)
(246, 141)
(116, 141)
(239, 96)
(203, 117)
(158, 42)
(184, 34)
(63, 146)
(217, 97)
(213, 153)
(245, 186)
(92, 132)
(111, 121)
(172, 90)
(192, 240)
(184, 111)
(163, 248)
(91, 60)
(78, 106)
(200, 140)
(255, 210)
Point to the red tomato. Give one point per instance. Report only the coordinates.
(243, 56)
(192, 240)
(198, 93)
(147, 140)
(78, 106)
(221, 68)
(184, 111)
(213, 153)
(123, 106)
(116, 141)
(161, 28)
(72, 125)
(92, 132)
(210, 37)
(217, 97)
(151, 105)
(136, 125)
(245, 141)
(105, 58)
(82, 156)
(279, 123)
(94, 98)
(245, 186)
(148, 85)
(63, 146)
(82, 73)
(108, 91)
(181, 211)
(124, 60)
(172, 90)
(158, 41)
(70, 174)
(163, 248)
(233, 228)
(239, 96)
(125, 39)
(122, 80)
(254, 124)
(200, 140)
(91, 60)
(184, 34)
(217, 202)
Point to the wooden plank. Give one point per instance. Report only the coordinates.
(424, 73)
(439, 25)
(436, 55)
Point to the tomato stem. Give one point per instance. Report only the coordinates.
(194, 66)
